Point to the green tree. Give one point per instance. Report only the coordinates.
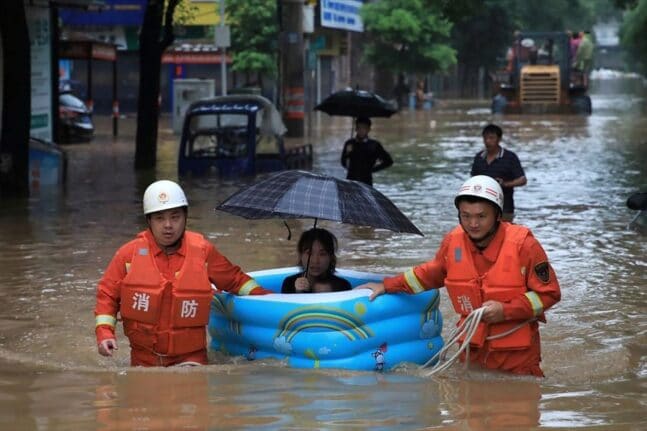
(254, 35)
(481, 40)
(550, 15)
(407, 36)
(625, 4)
(482, 34)
(155, 36)
(632, 34)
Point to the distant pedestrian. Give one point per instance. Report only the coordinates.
(574, 43)
(420, 94)
(401, 91)
(362, 156)
(501, 164)
(584, 56)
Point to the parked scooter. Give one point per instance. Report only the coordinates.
(75, 118)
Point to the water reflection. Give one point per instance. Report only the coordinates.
(498, 405)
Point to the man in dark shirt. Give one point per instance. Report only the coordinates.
(362, 156)
(502, 165)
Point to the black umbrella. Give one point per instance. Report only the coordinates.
(300, 194)
(356, 103)
(637, 201)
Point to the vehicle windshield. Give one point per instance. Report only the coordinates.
(218, 135)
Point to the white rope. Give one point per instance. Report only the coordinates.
(188, 364)
(467, 329)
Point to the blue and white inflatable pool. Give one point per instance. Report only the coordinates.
(327, 330)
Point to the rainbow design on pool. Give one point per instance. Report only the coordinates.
(327, 330)
(328, 318)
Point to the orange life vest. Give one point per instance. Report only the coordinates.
(502, 282)
(148, 324)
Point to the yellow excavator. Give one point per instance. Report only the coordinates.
(539, 77)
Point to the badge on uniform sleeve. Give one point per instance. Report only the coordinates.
(543, 271)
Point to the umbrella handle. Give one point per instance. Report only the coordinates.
(289, 231)
(309, 254)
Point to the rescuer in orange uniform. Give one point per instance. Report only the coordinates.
(486, 262)
(160, 284)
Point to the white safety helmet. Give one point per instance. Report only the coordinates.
(484, 187)
(163, 195)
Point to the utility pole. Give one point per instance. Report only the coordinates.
(292, 61)
(223, 47)
(223, 41)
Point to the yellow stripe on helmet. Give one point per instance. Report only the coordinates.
(535, 303)
(413, 282)
(105, 319)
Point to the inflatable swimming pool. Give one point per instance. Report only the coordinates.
(327, 330)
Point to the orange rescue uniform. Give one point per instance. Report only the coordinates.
(164, 299)
(514, 270)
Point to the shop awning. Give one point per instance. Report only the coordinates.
(87, 50)
(188, 53)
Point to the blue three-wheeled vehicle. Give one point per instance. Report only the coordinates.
(236, 135)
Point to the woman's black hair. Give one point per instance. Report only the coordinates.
(327, 241)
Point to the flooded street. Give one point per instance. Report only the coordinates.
(580, 171)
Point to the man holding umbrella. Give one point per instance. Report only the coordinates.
(362, 156)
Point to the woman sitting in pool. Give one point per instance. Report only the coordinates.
(316, 250)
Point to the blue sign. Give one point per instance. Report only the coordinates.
(115, 12)
(341, 14)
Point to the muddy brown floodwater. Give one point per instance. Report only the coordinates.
(55, 246)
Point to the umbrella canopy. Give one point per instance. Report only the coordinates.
(356, 103)
(637, 201)
(301, 194)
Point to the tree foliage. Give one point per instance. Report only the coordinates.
(408, 36)
(625, 4)
(184, 13)
(483, 36)
(254, 35)
(455, 10)
(550, 15)
(632, 35)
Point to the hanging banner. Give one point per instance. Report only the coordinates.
(114, 12)
(41, 73)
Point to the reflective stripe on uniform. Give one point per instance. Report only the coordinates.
(535, 303)
(248, 287)
(105, 319)
(413, 282)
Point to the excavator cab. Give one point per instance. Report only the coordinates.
(539, 77)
